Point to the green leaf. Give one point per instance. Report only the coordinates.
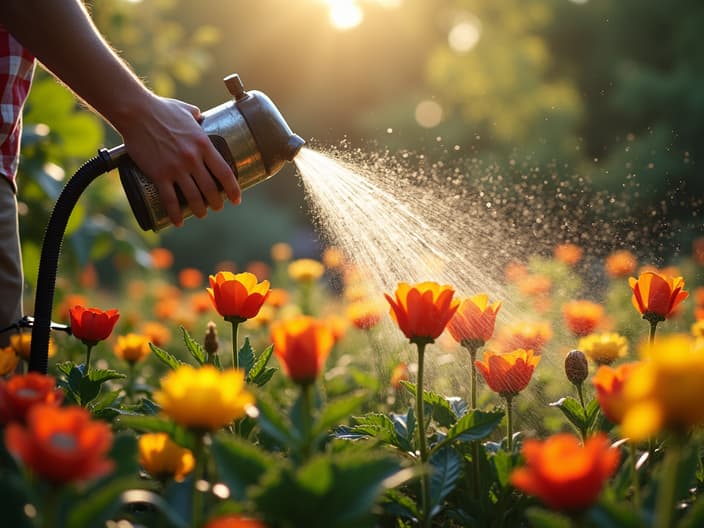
(573, 411)
(540, 518)
(156, 424)
(446, 467)
(194, 347)
(374, 425)
(245, 357)
(338, 410)
(275, 424)
(13, 497)
(103, 375)
(258, 366)
(240, 464)
(264, 376)
(503, 464)
(168, 359)
(475, 425)
(443, 409)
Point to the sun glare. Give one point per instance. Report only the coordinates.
(345, 14)
(428, 114)
(464, 35)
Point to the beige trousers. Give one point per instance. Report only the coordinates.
(10, 261)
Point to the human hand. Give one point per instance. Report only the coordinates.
(170, 147)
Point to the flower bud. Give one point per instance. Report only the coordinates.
(576, 367)
(211, 339)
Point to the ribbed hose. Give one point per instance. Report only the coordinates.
(51, 248)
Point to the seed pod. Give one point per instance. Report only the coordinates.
(211, 339)
(576, 367)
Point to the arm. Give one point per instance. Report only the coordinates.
(161, 135)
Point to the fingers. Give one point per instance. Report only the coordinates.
(221, 171)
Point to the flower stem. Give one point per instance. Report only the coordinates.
(422, 446)
(509, 422)
(89, 349)
(235, 356)
(667, 494)
(653, 326)
(197, 497)
(130, 382)
(473, 402)
(634, 476)
(306, 393)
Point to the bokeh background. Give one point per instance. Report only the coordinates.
(606, 93)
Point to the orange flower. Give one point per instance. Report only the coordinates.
(337, 325)
(162, 258)
(399, 374)
(570, 254)
(535, 285)
(698, 250)
(162, 458)
(278, 297)
(69, 301)
(157, 333)
(333, 258)
(365, 315)
(473, 323)
(620, 264)
(530, 335)
(423, 310)
(92, 325)
(8, 360)
(508, 373)
(302, 345)
(515, 271)
(281, 251)
(200, 302)
(132, 347)
(61, 445)
(582, 317)
(655, 296)
(237, 296)
(259, 268)
(190, 278)
(20, 393)
(234, 521)
(609, 383)
(562, 473)
(88, 277)
(22, 344)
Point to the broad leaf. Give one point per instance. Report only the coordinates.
(194, 347)
(245, 357)
(167, 358)
(446, 471)
(336, 411)
(475, 425)
(240, 464)
(259, 365)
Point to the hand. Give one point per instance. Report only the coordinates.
(170, 147)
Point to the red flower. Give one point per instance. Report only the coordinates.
(656, 296)
(563, 474)
(423, 310)
(61, 445)
(234, 521)
(508, 373)
(21, 393)
(302, 345)
(474, 321)
(237, 296)
(92, 325)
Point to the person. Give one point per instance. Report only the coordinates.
(161, 135)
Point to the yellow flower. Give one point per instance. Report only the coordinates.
(666, 390)
(22, 344)
(204, 398)
(162, 458)
(604, 349)
(698, 329)
(132, 347)
(8, 360)
(305, 270)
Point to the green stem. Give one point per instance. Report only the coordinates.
(306, 394)
(425, 478)
(509, 422)
(473, 357)
(634, 476)
(89, 349)
(667, 494)
(197, 497)
(51, 507)
(130, 382)
(235, 329)
(653, 326)
(473, 402)
(580, 392)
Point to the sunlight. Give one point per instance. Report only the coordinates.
(464, 35)
(428, 114)
(345, 14)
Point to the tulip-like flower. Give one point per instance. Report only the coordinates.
(422, 311)
(163, 458)
(92, 325)
(582, 317)
(61, 445)
(508, 374)
(204, 399)
(234, 521)
(8, 360)
(132, 347)
(609, 383)
(302, 345)
(620, 264)
(563, 474)
(472, 326)
(364, 314)
(530, 335)
(605, 348)
(656, 296)
(20, 393)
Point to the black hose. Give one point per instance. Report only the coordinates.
(51, 248)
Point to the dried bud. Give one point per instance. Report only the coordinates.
(211, 339)
(576, 367)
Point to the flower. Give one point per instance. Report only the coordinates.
(162, 258)
(364, 314)
(92, 325)
(237, 296)
(515, 271)
(132, 347)
(535, 285)
(524, 334)
(8, 360)
(61, 445)
(162, 458)
(604, 348)
(338, 326)
(302, 345)
(259, 268)
(281, 252)
(620, 264)
(655, 296)
(190, 278)
(423, 310)
(508, 373)
(398, 374)
(204, 398)
(333, 258)
(277, 298)
(582, 317)
(305, 270)
(666, 391)
(562, 473)
(234, 521)
(473, 323)
(608, 383)
(20, 393)
(576, 367)
(157, 333)
(22, 344)
(569, 254)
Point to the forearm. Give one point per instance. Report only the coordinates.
(62, 36)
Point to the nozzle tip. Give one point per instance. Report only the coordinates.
(295, 143)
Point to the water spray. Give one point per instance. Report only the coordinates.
(248, 131)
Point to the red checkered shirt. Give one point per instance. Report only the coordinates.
(16, 70)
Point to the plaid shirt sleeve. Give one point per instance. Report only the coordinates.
(16, 70)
